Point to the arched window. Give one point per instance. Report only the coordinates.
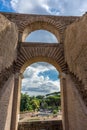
(42, 36)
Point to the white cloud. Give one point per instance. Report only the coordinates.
(49, 7)
(54, 7)
(33, 83)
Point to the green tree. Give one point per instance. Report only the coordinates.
(25, 100)
(35, 104)
(51, 102)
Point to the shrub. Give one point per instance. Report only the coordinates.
(54, 111)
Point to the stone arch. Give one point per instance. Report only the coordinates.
(59, 23)
(51, 53)
(41, 36)
(55, 27)
(40, 59)
(31, 53)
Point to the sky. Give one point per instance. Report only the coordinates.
(41, 35)
(52, 7)
(41, 77)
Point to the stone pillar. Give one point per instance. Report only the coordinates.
(64, 101)
(16, 102)
(6, 99)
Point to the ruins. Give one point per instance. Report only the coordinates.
(69, 56)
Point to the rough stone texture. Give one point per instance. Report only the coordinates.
(16, 102)
(4, 75)
(76, 111)
(76, 48)
(6, 104)
(64, 101)
(33, 52)
(8, 42)
(41, 125)
(27, 23)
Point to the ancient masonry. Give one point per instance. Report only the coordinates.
(69, 56)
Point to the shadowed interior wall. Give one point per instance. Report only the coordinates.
(75, 47)
(76, 111)
(8, 53)
(6, 100)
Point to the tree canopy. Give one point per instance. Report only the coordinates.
(50, 102)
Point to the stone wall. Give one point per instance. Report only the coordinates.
(27, 23)
(6, 100)
(76, 110)
(76, 48)
(8, 42)
(76, 57)
(41, 125)
(8, 52)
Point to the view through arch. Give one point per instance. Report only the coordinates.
(40, 93)
(41, 36)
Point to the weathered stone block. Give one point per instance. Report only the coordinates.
(76, 48)
(8, 42)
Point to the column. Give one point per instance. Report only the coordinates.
(16, 102)
(64, 101)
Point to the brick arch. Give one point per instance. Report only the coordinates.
(40, 59)
(57, 23)
(34, 52)
(55, 27)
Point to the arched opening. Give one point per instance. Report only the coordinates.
(41, 36)
(38, 53)
(47, 24)
(27, 63)
(40, 96)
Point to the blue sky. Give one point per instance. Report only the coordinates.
(41, 78)
(41, 36)
(5, 6)
(52, 7)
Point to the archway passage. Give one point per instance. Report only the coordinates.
(34, 52)
(40, 93)
(27, 54)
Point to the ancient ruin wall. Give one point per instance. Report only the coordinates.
(76, 48)
(8, 42)
(76, 111)
(6, 100)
